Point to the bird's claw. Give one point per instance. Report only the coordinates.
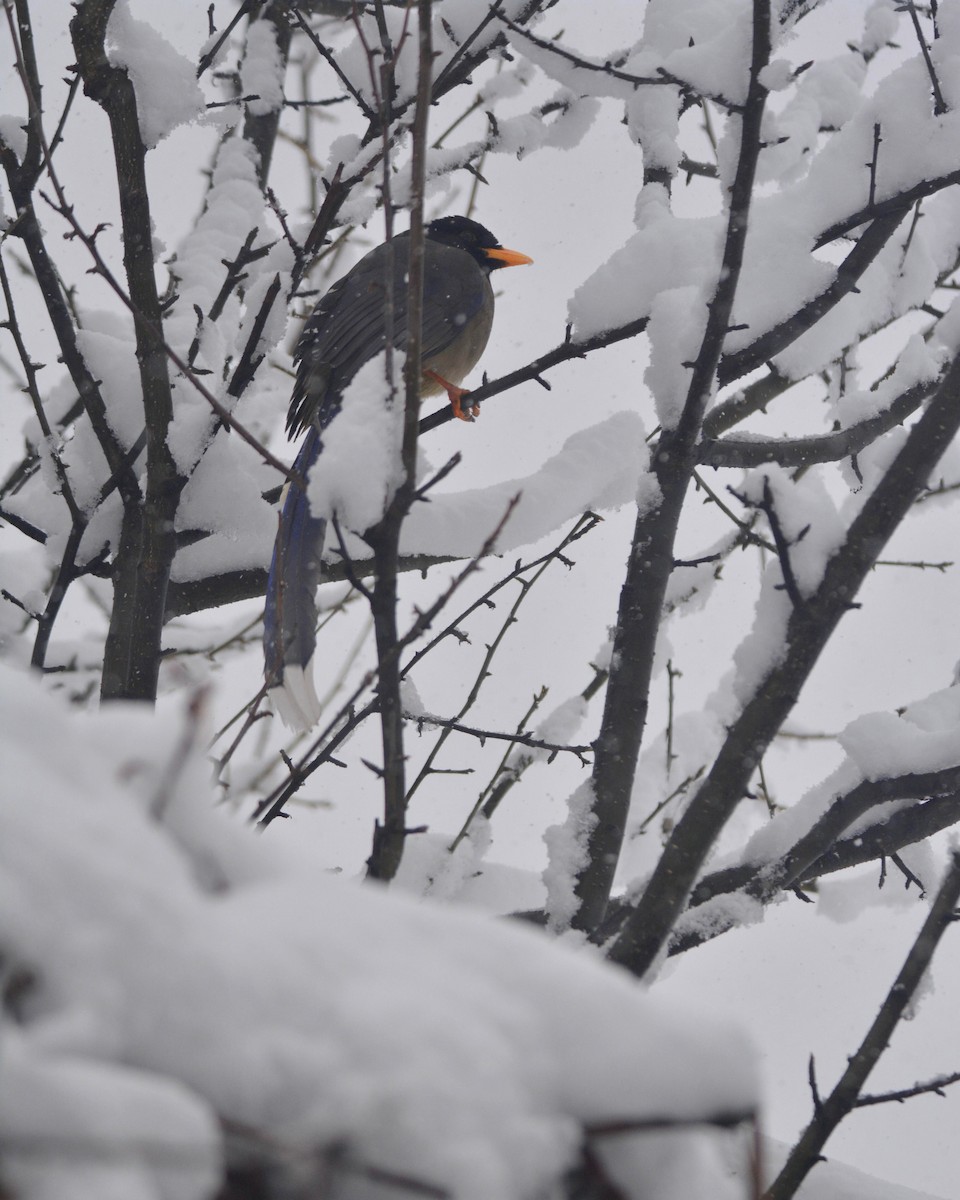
(462, 412)
(456, 396)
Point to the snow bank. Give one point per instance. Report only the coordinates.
(181, 972)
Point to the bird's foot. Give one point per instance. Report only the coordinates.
(455, 395)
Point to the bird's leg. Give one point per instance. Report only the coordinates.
(455, 395)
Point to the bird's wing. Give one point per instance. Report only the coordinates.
(454, 291)
(344, 331)
(348, 326)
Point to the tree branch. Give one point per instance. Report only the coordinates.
(147, 541)
(832, 1110)
(389, 838)
(872, 241)
(27, 227)
(568, 349)
(652, 551)
(808, 630)
(827, 447)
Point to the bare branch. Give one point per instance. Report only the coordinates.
(936, 1087)
(872, 241)
(519, 739)
(808, 630)
(652, 554)
(939, 104)
(827, 447)
(807, 1152)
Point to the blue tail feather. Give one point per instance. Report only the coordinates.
(290, 613)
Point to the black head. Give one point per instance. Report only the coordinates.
(477, 241)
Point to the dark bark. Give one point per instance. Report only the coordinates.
(809, 628)
(651, 554)
(830, 1111)
(22, 178)
(390, 836)
(260, 129)
(742, 362)
(826, 447)
(147, 540)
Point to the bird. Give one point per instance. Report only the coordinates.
(348, 328)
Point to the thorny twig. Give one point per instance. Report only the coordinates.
(529, 740)
(499, 772)
(939, 104)
(808, 1150)
(768, 508)
(935, 1087)
(210, 56)
(583, 525)
(348, 717)
(65, 210)
(510, 773)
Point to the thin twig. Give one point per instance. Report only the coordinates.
(501, 769)
(933, 1087)
(331, 60)
(583, 525)
(518, 738)
(939, 104)
(347, 718)
(808, 1150)
(210, 56)
(89, 241)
